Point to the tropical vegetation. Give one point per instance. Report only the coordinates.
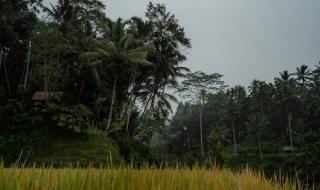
(80, 89)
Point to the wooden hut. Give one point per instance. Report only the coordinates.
(44, 96)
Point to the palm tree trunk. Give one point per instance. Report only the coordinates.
(262, 110)
(260, 147)
(234, 139)
(45, 77)
(27, 69)
(147, 105)
(188, 141)
(290, 130)
(200, 126)
(131, 103)
(81, 89)
(1, 52)
(6, 75)
(152, 102)
(83, 80)
(112, 104)
(128, 120)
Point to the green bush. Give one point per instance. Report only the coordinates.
(133, 151)
(16, 117)
(52, 133)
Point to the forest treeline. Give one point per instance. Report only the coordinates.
(270, 126)
(67, 70)
(71, 67)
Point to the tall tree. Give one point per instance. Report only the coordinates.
(303, 75)
(235, 106)
(286, 96)
(63, 13)
(117, 50)
(167, 37)
(257, 124)
(17, 19)
(195, 87)
(261, 95)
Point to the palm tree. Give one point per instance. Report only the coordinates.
(158, 78)
(303, 76)
(316, 71)
(63, 13)
(286, 95)
(140, 29)
(162, 31)
(261, 96)
(117, 50)
(257, 123)
(235, 103)
(162, 76)
(315, 77)
(259, 92)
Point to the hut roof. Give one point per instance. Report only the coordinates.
(44, 96)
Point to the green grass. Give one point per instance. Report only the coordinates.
(50, 146)
(93, 148)
(146, 178)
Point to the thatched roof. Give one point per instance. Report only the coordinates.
(44, 96)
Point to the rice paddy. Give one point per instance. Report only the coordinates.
(146, 178)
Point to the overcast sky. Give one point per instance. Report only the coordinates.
(241, 39)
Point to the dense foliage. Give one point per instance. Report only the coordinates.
(268, 125)
(75, 75)
(75, 70)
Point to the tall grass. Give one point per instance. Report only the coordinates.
(146, 178)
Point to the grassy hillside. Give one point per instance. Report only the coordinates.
(142, 179)
(55, 147)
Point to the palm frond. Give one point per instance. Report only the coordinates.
(95, 63)
(166, 103)
(171, 97)
(104, 54)
(53, 12)
(141, 49)
(95, 73)
(125, 41)
(140, 61)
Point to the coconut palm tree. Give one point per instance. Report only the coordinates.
(286, 94)
(118, 50)
(63, 13)
(317, 70)
(257, 124)
(261, 96)
(140, 29)
(155, 80)
(303, 75)
(235, 103)
(162, 31)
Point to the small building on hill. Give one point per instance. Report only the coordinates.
(44, 96)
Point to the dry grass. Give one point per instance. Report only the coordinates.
(127, 178)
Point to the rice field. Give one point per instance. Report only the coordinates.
(129, 178)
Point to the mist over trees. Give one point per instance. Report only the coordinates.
(263, 125)
(78, 79)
